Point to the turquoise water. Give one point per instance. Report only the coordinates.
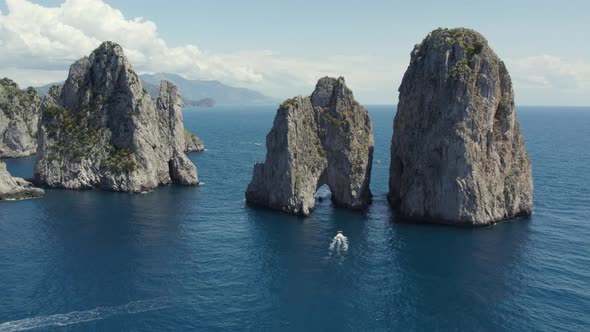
(184, 258)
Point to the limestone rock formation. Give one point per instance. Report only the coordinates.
(19, 115)
(102, 130)
(192, 142)
(457, 153)
(323, 139)
(14, 188)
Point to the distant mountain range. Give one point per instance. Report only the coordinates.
(221, 93)
(197, 92)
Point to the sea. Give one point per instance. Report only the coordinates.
(199, 259)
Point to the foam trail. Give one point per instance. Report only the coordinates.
(339, 245)
(76, 317)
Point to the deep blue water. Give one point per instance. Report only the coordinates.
(184, 258)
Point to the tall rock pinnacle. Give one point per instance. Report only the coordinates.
(102, 130)
(457, 153)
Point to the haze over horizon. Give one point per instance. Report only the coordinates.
(281, 49)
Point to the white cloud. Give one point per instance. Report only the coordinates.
(51, 38)
(370, 77)
(48, 39)
(39, 43)
(546, 71)
(33, 77)
(548, 79)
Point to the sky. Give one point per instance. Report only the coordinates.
(281, 48)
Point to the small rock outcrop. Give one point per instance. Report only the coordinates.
(15, 188)
(192, 142)
(323, 139)
(457, 153)
(102, 130)
(19, 115)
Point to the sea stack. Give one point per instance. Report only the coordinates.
(102, 130)
(19, 115)
(14, 188)
(192, 142)
(326, 138)
(457, 153)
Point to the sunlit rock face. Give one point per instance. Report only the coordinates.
(19, 115)
(102, 130)
(326, 138)
(457, 153)
(192, 142)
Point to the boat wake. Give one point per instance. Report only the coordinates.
(76, 317)
(338, 247)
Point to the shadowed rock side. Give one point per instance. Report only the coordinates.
(323, 139)
(102, 130)
(192, 142)
(457, 153)
(19, 115)
(14, 188)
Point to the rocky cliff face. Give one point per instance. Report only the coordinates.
(457, 153)
(19, 115)
(192, 142)
(102, 130)
(323, 139)
(14, 188)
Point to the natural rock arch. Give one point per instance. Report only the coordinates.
(322, 192)
(326, 138)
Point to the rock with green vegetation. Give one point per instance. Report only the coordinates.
(326, 138)
(101, 129)
(14, 188)
(458, 155)
(192, 142)
(19, 115)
